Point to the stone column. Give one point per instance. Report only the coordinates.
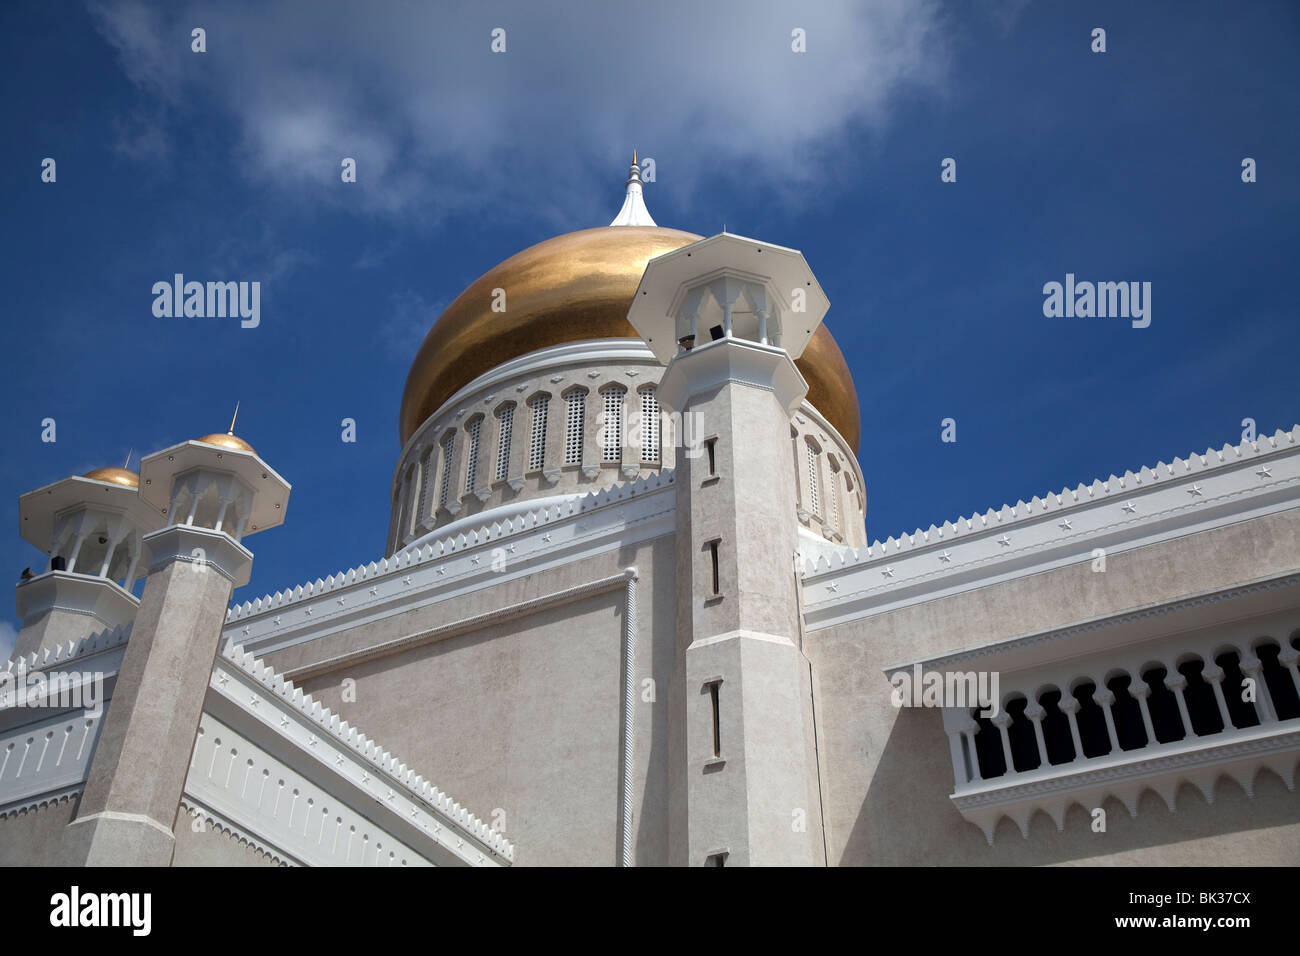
(129, 806)
(748, 788)
(137, 775)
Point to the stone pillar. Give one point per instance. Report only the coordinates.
(134, 788)
(747, 757)
(137, 775)
(744, 786)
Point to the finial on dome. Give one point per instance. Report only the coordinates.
(634, 212)
(231, 430)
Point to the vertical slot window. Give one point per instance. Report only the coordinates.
(537, 441)
(575, 423)
(612, 440)
(814, 497)
(448, 440)
(650, 426)
(471, 468)
(507, 418)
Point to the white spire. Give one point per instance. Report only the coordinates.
(634, 212)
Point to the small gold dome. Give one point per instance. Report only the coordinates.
(116, 476)
(574, 287)
(233, 442)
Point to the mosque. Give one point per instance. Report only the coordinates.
(629, 614)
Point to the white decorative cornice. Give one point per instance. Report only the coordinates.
(464, 625)
(40, 803)
(1238, 482)
(556, 533)
(197, 810)
(203, 548)
(72, 593)
(999, 650)
(1239, 755)
(73, 651)
(47, 757)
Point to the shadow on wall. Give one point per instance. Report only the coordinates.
(907, 819)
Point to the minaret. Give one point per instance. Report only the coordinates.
(211, 493)
(634, 211)
(728, 316)
(92, 527)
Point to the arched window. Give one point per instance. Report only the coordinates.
(475, 429)
(426, 476)
(575, 422)
(447, 443)
(537, 440)
(650, 426)
(612, 437)
(506, 415)
(409, 493)
(833, 496)
(814, 498)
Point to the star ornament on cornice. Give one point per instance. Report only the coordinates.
(887, 571)
(1264, 472)
(1004, 541)
(1131, 508)
(945, 557)
(1195, 491)
(1065, 524)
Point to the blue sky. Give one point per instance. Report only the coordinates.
(224, 165)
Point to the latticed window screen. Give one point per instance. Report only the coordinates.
(507, 416)
(447, 441)
(426, 466)
(650, 425)
(537, 441)
(814, 501)
(409, 491)
(471, 467)
(613, 437)
(573, 429)
(833, 499)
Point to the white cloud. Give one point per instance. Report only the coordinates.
(438, 124)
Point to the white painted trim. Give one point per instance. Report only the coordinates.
(629, 710)
(1252, 480)
(196, 808)
(994, 651)
(1239, 755)
(454, 628)
(273, 714)
(599, 523)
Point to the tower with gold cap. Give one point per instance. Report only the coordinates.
(209, 494)
(741, 742)
(92, 528)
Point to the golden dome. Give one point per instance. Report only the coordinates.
(116, 476)
(573, 287)
(233, 442)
